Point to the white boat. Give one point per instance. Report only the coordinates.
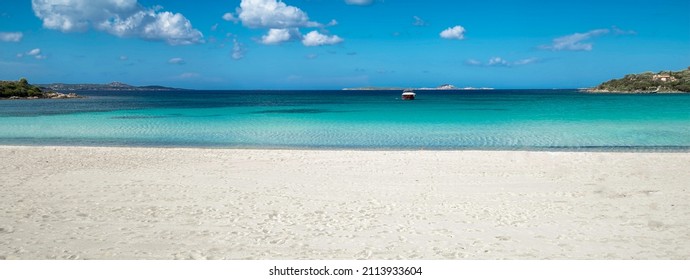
(408, 94)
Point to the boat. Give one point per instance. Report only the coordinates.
(408, 94)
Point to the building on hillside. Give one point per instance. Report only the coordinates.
(663, 78)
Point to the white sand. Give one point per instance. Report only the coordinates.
(150, 203)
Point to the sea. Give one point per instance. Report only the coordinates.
(354, 119)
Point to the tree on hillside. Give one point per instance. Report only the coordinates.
(20, 88)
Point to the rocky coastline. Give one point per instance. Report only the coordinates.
(47, 95)
(658, 91)
(21, 89)
(663, 82)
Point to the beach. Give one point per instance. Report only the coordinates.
(194, 203)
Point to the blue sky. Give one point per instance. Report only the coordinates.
(332, 44)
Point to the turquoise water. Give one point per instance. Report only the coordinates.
(499, 119)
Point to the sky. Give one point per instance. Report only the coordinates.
(334, 44)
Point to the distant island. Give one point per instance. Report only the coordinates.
(648, 82)
(452, 87)
(21, 89)
(441, 87)
(114, 86)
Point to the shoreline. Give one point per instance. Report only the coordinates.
(196, 203)
(587, 149)
(45, 95)
(595, 90)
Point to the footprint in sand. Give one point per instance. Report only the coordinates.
(364, 254)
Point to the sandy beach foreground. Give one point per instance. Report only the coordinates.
(159, 203)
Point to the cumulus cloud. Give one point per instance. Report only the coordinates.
(575, 42)
(315, 38)
(122, 18)
(282, 21)
(272, 14)
(277, 36)
(455, 33)
(500, 62)
(176, 60)
(11, 36)
(359, 2)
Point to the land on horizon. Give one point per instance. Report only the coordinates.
(113, 86)
(23, 89)
(647, 82)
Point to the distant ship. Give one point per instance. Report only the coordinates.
(408, 94)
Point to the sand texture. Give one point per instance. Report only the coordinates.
(155, 203)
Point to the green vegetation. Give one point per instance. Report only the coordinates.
(20, 88)
(665, 81)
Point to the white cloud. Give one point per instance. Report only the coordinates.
(277, 36)
(272, 14)
(36, 53)
(315, 38)
(619, 31)
(359, 2)
(419, 21)
(173, 28)
(526, 61)
(497, 61)
(176, 60)
(238, 50)
(457, 33)
(123, 58)
(230, 17)
(122, 18)
(575, 42)
(11, 36)
(282, 21)
(500, 62)
(474, 62)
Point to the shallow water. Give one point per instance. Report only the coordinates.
(499, 119)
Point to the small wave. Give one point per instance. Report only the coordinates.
(139, 117)
(298, 111)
